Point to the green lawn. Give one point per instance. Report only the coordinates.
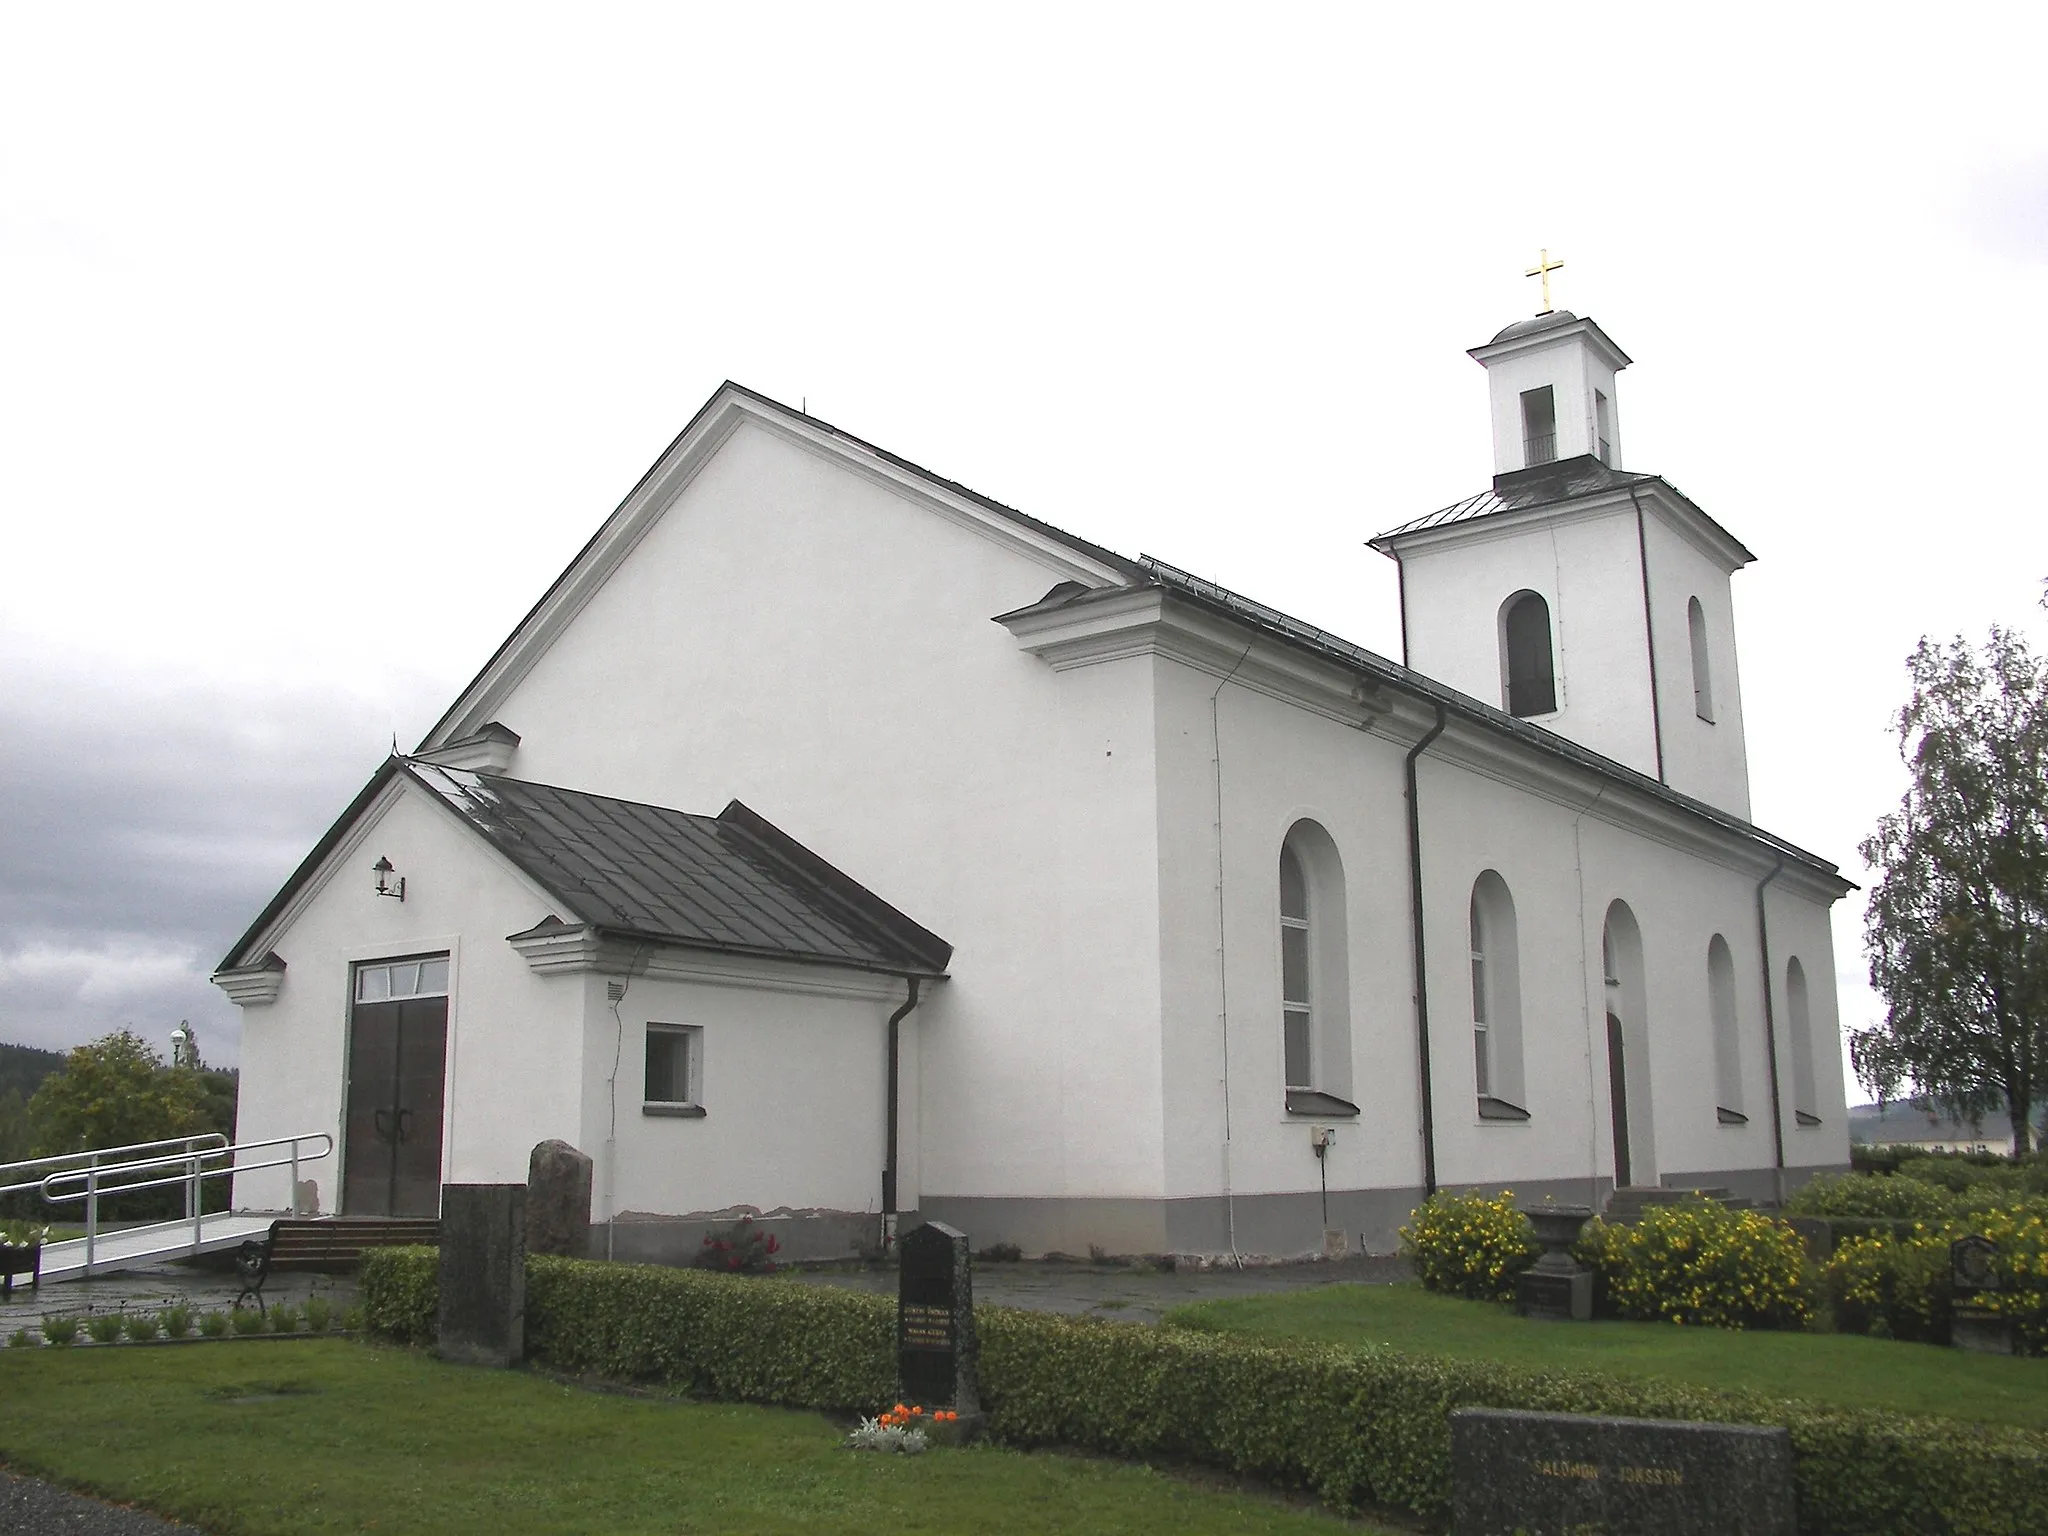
(1821, 1367)
(330, 1435)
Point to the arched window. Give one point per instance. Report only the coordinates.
(1315, 984)
(1799, 1025)
(1496, 1001)
(1702, 672)
(1727, 1044)
(1630, 1111)
(1528, 674)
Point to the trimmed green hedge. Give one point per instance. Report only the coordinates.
(1359, 1427)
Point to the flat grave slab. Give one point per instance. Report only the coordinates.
(1567, 1474)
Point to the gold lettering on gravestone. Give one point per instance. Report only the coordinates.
(927, 1327)
(1584, 1469)
(1661, 1477)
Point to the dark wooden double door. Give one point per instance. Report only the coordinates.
(397, 1063)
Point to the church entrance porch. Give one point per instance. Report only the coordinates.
(397, 1060)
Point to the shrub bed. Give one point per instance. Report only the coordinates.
(1358, 1427)
(1862, 1195)
(1894, 1285)
(1698, 1262)
(1469, 1245)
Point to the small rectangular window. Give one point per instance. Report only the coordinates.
(674, 1075)
(390, 981)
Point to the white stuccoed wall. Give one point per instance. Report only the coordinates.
(1281, 764)
(813, 643)
(1587, 567)
(793, 1086)
(513, 1037)
(1708, 761)
(1574, 374)
(1564, 863)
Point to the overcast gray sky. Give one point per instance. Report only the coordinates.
(327, 337)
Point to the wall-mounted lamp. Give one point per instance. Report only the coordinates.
(386, 886)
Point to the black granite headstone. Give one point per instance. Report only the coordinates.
(1974, 1324)
(483, 1274)
(1564, 1474)
(937, 1357)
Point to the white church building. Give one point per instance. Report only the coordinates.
(833, 842)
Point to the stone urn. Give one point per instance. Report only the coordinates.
(1557, 1229)
(1557, 1287)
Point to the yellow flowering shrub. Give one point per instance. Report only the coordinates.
(1469, 1245)
(1699, 1262)
(1894, 1287)
(2022, 1265)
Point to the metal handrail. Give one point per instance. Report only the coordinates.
(186, 1143)
(191, 1161)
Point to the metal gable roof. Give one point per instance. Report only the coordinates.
(1548, 485)
(733, 882)
(729, 882)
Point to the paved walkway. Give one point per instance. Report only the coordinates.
(1090, 1290)
(1131, 1295)
(31, 1507)
(152, 1287)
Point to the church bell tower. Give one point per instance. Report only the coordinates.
(1589, 600)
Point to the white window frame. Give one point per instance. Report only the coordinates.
(1482, 1056)
(397, 981)
(1302, 1008)
(691, 1037)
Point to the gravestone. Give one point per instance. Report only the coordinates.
(483, 1274)
(558, 1201)
(1549, 1474)
(937, 1356)
(1973, 1276)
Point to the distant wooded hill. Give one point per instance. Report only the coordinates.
(23, 1068)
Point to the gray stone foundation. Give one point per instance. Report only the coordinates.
(805, 1236)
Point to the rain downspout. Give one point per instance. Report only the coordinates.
(895, 1096)
(1649, 636)
(1763, 939)
(1421, 980)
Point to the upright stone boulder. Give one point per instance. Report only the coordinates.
(558, 1201)
(483, 1274)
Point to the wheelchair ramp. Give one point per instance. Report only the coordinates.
(113, 1251)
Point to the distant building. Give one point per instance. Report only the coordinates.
(1901, 1125)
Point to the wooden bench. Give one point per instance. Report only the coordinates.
(21, 1261)
(328, 1243)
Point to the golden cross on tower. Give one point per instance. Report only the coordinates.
(1543, 268)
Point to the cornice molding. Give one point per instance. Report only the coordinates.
(1142, 622)
(565, 951)
(253, 986)
(488, 750)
